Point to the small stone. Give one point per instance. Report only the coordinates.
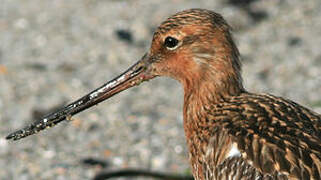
(21, 23)
(118, 161)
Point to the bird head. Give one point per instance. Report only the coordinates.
(194, 47)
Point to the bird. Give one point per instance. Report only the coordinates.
(231, 133)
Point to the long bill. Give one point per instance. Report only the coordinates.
(132, 77)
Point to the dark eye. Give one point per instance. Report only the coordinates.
(171, 42)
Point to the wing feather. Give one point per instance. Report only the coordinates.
(274, 135)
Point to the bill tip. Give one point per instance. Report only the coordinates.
(9, 137)
(13, 136)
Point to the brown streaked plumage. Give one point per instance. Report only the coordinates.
(231, 133)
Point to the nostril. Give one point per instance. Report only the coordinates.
(136, 71)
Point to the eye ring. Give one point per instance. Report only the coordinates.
(171, 43)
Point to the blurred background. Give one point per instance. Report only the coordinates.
(52, 52)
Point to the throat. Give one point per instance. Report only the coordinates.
(211, 90)
(199, 99)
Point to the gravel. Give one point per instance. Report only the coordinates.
(52, 52)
